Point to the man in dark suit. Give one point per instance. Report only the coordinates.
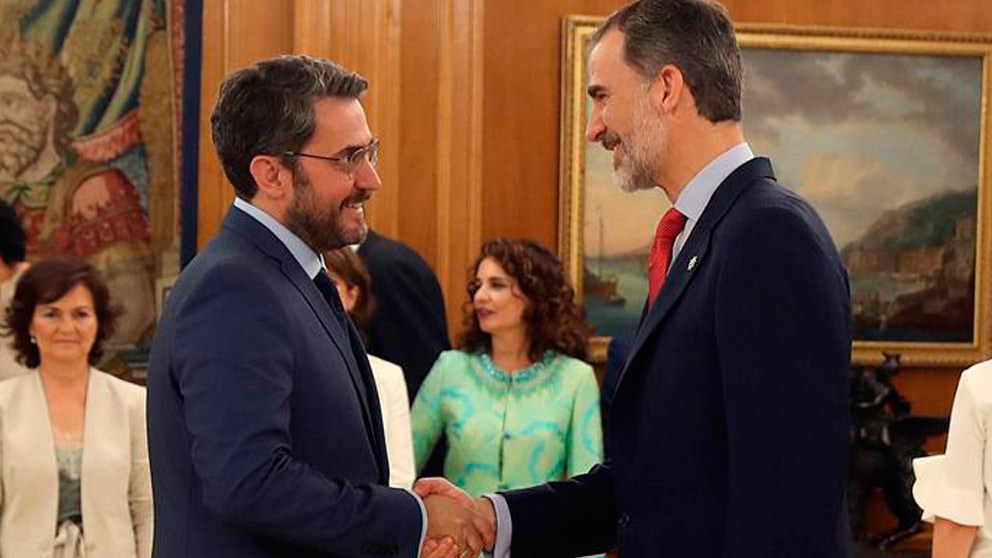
(616, 360)
(264, 425)
(408, 326)
(729, 421)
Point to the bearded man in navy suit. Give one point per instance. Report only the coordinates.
(265, 430)
(730, 417)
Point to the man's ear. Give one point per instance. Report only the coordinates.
(667, 89)
(273, 179)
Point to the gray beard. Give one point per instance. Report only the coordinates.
(637, 178)
(639, 175)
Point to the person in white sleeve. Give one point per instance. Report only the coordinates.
(955, 489)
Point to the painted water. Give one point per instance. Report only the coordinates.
(613, 318)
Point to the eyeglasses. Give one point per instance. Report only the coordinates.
(351, 161)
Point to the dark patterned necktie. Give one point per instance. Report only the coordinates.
(330, 292)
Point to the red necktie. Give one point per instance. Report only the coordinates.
(669, 227)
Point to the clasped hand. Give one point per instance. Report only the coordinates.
(457, 525)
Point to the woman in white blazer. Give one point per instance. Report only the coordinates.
(955, 489)
(74, 476)
(354, 286)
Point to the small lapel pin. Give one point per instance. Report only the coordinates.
(692, 262)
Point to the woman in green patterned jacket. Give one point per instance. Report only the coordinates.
(518, 405)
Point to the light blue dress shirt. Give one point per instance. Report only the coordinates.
(310, 261)
(697, 193)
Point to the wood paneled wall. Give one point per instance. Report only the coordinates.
(465, 95)
(424, 61)
(236, 33)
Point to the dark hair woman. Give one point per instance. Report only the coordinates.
(518, 406)
(52, 493)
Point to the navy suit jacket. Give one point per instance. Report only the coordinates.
(730, 419)
(264, 429)
(408, 326)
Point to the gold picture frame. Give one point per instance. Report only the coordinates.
(858, 121)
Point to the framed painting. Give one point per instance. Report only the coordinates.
(885, 133)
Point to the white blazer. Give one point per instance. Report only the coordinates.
(395, 405)
(958, 485)
(116, 492)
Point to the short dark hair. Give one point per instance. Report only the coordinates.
(13, 241)
(694, 35)
(346, 264)
(554, 321)
(267, 109)
(45, 282)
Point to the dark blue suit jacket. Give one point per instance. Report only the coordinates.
(264, 429)
(408, 326)
(729, 421)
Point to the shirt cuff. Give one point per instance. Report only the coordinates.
(423, 516)
(504, 526)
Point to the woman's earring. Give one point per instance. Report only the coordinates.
(34, 341)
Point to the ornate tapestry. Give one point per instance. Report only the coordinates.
(91, 142)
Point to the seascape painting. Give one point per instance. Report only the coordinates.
(886, 148)
(882, 134)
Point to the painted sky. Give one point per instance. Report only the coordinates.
(856, 134)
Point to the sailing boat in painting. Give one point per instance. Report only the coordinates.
(602, 285)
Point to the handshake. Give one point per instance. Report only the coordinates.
(457, 525)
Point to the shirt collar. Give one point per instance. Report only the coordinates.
(310, 261)
(697, 193)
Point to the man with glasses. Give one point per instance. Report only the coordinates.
(264, 424)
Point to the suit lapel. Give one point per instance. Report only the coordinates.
(375, 407)
(247, 227)
(348, 345)
(676, 282)
(693, 254)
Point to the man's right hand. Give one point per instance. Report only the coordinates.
(452, 512)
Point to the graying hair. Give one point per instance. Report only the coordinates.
(694, 35)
